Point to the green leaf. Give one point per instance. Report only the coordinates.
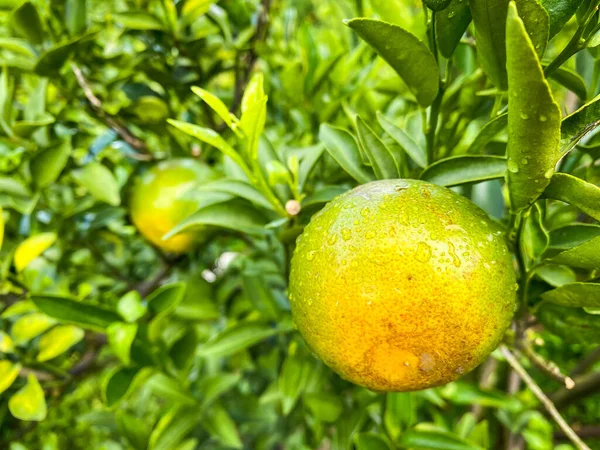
(31, 248)
(342, 147)
(1, 227)
(571, 80)
(59, 340)
(325, 195)
(235, 339)
(370, 441)
(572, 235)
(30, 326)
(131, 307)
(573, 324)
(489, 17)
(534, 238)
(400, 413)
(433, 440)
(254, 114)
(323, 406)
(29, 402)
(451, 24)
(75, 16)
(576, 192)
(408, 56)
(412, 149)
(211, 138)
(579, 124)
(17, 45)
(25, 128)
(230, 216)
(437, 5)
(120, 337)
(575, 295)
(26, 22)
(169, 389)
(214, 386)
(584, 256)
(6, 343)
(78, 313)
(138, 20)
(118, 384)
(260, 294)
(487, 133)
(379, 155)
(8, 374)
(100, 183)
(560, 12)
(217, 106)
(221, 426)
(48, 165)
(173, 427)
(295, 371)
(462, 393)
(533, 119)
(51, 61)
(464, 169)
(166, 297)
(236, 188)
(134, 429)
(556, 275)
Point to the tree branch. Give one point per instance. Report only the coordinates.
(111, 121)
(584, 385)
(548, 368)
(564, 426)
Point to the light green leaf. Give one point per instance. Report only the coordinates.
(584, 256)
(6, 343)
(30, 326)
(236, 338)
(323, 406)
(579, 124)
(31, 248)
(131, 307)
(17, 45)
(342, 147)
(75, 16)
(408, 56)
(451, 24)
(412, 149)
(100, 182)
(120, 337)
(217, 106)
(325, 195)
(138, 20)
(575, 191)
(48, 165)
(1, 227)
(169, 389)
(173, 427)
(573, 324)
(29, 402)
(379, 155)
(292, 381)
(533, 118)
(8, 374)
(370, 441)
(465, 169)
(400, 413)
(79, 313)
(220, 425)
(59, 340)
(214, 386)
(534, 238)
(575, 295)
(237, 188)
(487, 133)
(433, 440)
(571, 80)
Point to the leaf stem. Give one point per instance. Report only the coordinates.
(543, 398)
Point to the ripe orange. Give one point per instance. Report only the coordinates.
(401, 285)
(158, 203)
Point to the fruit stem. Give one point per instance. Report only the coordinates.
(543, 398)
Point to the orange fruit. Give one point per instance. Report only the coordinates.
(158, 203)
(401, 285)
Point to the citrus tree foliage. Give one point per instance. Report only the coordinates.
(108, 342)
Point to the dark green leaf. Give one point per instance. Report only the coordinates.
(575, 295)
(169, 389)
(584, 256)
(323, 406)
(166, 297)
(560, 12)
(134, 429)
(52, 60)
(220, 425)
(451, 25)
(325, 195)
(573, 324)
(571, 80)
(533, 119)
(534, 238)
(71, 311)
(400, 413)
(463, 393)
(437, 5)
(117, 384)
(408, 56)
(342, 147)
(173, 427)
(214, 386)
(465, 169)
(579, 124)
(237, 188)
(573, 235)
(487, 133)
(48, 165)
(379, 155)
(26, 22)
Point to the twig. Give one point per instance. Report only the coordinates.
(584, 386)
(111, 121)
(548, 368)
(589, 431)
(587, 362)
(564, 426)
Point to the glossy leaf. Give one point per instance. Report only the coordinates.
(575, 191)
(139, 20)
(235, 339)
(573, 324)
(432, 440)
(31, 248)
(100, 183)
(26, 22)
(412, 149)
(534, 238)
(408, 56)
(58, 340)
(342, 147)
(30, 326)
(584, 256)
(556, 275)
(120, 337)
(451, 25)
(533, 119)
(487, 133)
(118, 384)
(579, 124)
(8, 374)
(78, 313)
(400, 413)
(575, 295)
(560, 12)
(29, 403)
(489, 17)
(573, 235)
(571, 80)
(379, 155)
(166, 297)
(237, 188)
(217, 106)
(458, 170)
(48, 165)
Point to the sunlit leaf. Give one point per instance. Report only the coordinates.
(8, 374)
(31, 248)
(59, 340)
(29, 403)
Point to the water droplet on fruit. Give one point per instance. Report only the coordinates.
(346, 234)
(512, 166)
(310, 255)
(332, 239)
(451, 15)
(543, 118)
(423, 252)
(524, 115)
(365, 211)
(525, 160)
(452, 253)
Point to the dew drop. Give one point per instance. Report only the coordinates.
(549, 173)
(423, 252)
(524, 115)
(512, 166)
(332, 239)
(310, 255)
(365, 211)
(543, 118)
(452, 253)
(525, 161)
(346, 234)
